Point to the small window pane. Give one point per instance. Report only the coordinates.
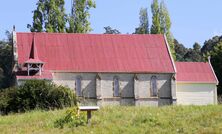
(78, 87)
(116, 87)
(153, 86)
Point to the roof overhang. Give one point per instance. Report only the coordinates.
(196, 82)
(169, 52)
(137, 72)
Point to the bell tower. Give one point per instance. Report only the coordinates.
(34, 64)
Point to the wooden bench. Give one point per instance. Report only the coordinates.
(88, 109)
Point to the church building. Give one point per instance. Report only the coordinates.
(106, 69)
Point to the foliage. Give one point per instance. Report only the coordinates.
(165, 25)
(161, 23)
(184, 54)
(219, 98)
(49, 16)
(7, 100)
(194, 54)
(78, 20)
(216, 60)
(144, 22)
(209, 44)
(6, 62)
(109, 30)
(36, 94)
(72, 118)
(180, 50)
(120, 119)
(212, 47)
(155, 28)
(165, 22)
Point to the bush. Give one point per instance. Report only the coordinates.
(36, 94)
(7, 98)
(72, 118)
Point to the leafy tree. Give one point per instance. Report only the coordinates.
(196, 47)
(209, 44)
(78, 20)
(194, 54)
(155, 28)
(180, 50)
(144, 22)
(49, 16)
(109, 30)
(6, 62)
(165, 25)
(184, 54)
(216, 61)
(165, 22)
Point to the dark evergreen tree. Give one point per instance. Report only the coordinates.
(216, 60)
(109, 30)
(6, 61)
(180, 50)
(209, 44)
(194, 54)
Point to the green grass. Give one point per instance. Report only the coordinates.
(116, 119)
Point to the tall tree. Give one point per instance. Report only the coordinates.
(78, 20)
(180, 50)
(196, 47)
(216, 60)
(110, 30)
(49, 16)
(210, 44)
(155, 28)
(165, 25)
(144, 22)
(194, 54)
(6, 61)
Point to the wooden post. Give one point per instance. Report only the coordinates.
(40, 69)
(28, 68)
(88, 109)
(89, 116)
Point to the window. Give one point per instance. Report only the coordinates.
(116, 87)
(153, 85)
(78, 86)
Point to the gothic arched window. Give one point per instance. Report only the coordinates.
(78, 86)
(153, 86)
(116, 87)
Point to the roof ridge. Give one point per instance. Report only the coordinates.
(90, 34)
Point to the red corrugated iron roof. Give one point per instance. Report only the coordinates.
(195, 72)
(97, 52)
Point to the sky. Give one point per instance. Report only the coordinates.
(192, 20)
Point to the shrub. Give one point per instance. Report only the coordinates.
(72, 118)
(36, 94)
(7, 98)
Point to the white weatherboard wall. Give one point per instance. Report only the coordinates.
(196, 93)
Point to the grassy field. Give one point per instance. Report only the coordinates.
(172, 119)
